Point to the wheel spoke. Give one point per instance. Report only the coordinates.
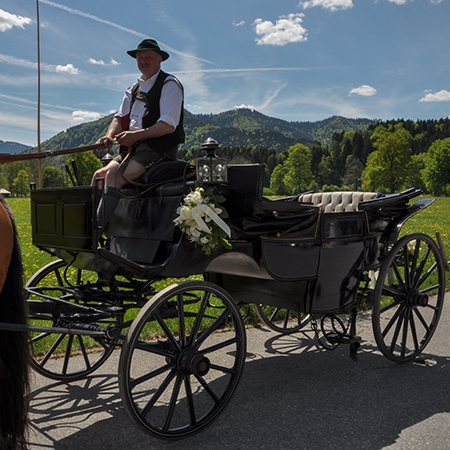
(208, 389)
(67, 353)
(181, 319)
(274, 314)
(155, 397)
(399, 277)
(190, 401)
(412, 325)
(173, 402)
(421, 269)
(52, 349)
(220, 345)
(426, 275)
(394, 319)
(218, 323)
(422, 320)
(84, 352)
(405, 332)
(150, 375)
(397, 330)
(199, 318)
(223, 369)
(166, 330)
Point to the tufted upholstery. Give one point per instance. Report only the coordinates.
(337, 201)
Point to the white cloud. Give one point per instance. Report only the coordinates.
(333, 5)
(239, 24)
(81, 116)
(365, 90)
(100, 62)
(287, 29)
(441, 96)
(96, 62)
(398, 2)
(68, 68)
(8, 21)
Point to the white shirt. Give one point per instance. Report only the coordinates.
(169, 103)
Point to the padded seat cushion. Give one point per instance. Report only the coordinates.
(337, 201)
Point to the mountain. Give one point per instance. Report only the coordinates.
(12, 147)
(235, 128)
(240, 127)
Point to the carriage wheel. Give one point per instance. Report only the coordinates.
(282, 320)
(58, 355)
(408, 297)
(182, 359)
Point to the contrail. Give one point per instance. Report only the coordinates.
(115, 25)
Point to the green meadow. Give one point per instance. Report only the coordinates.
(435, 218)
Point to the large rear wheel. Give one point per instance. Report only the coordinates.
(408, 297)
(182, 359)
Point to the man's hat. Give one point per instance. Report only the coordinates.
(148, 44)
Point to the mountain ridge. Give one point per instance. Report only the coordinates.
(241, 127)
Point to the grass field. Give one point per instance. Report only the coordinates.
(434, 218)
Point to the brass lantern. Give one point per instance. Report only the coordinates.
(211, 169)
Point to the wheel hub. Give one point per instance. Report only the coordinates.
(192, 362)
(416, 298)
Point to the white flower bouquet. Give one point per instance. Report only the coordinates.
(200, 217)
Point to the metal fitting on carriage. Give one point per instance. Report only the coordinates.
(211, 169)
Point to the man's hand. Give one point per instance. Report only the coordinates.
(127, 138)
(105, 142)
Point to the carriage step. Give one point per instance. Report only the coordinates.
(341, 338)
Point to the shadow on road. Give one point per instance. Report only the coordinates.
(293, 394)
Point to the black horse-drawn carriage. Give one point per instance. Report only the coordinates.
(301, 259)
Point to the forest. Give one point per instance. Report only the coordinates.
(334, 154)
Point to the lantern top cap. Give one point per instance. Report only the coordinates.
(210, 145)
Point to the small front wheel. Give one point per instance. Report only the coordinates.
(282, 320)
(408, 297)
(53, 297)
(182, 359)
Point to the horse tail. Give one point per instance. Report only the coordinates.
(14, 351)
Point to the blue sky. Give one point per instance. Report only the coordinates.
(296, 60)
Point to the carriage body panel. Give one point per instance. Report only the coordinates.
(317, 250)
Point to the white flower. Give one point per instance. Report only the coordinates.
(199, 218)
(196, 196)
(185, 213)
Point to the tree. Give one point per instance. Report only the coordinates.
(52, 177)
(388, 166)
(4, 181)
(298, 169)
(277, 180)
(87, 164)
(436, 173)
(353, 170)
(21, 184)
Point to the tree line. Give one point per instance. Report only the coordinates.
(388, 156)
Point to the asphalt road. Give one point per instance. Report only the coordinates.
(293, 395)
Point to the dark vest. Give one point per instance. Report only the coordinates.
(168, 141)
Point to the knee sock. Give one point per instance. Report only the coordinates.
(107, 205)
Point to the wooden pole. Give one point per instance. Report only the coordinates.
(39, 94)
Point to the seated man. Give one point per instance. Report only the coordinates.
(148, 126)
